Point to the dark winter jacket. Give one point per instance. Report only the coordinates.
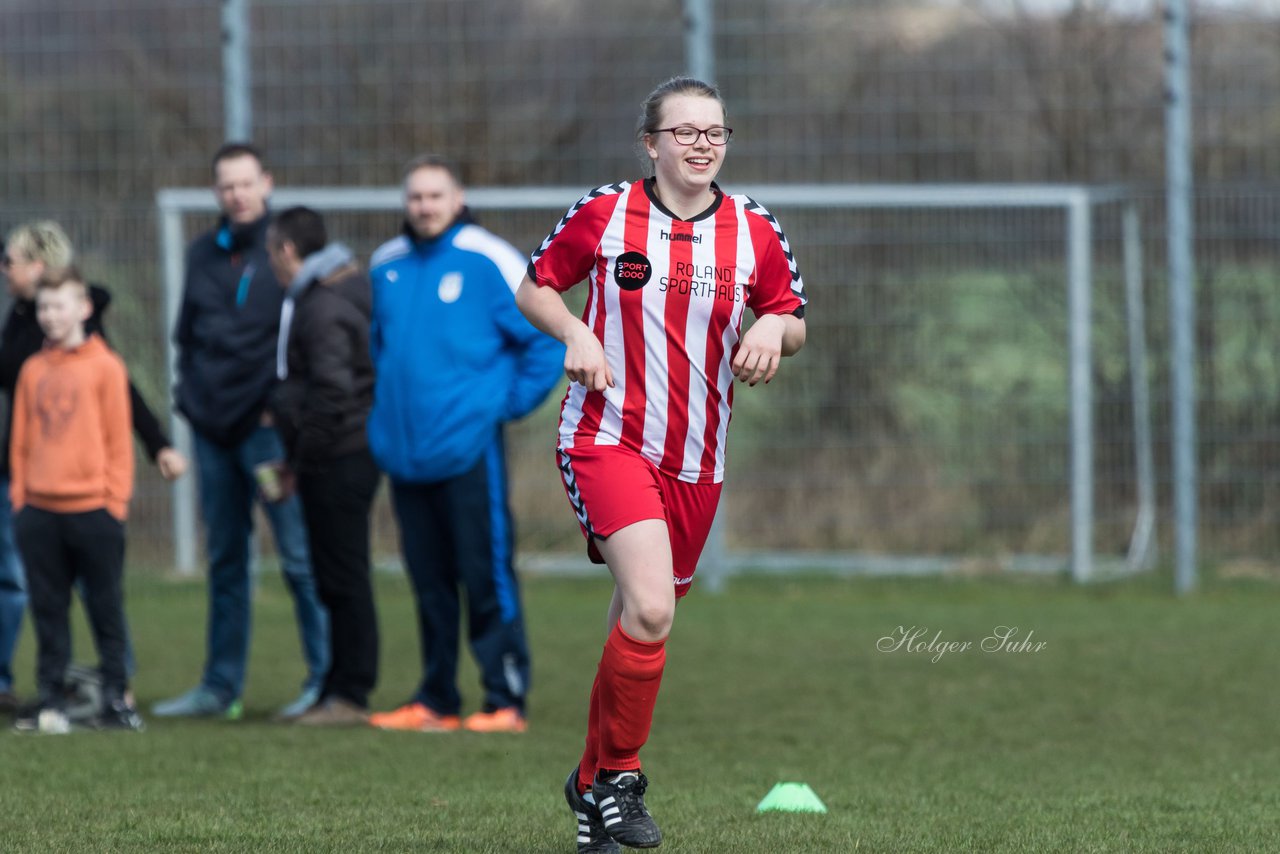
(321, 404)
(22, 338)
(226, 332)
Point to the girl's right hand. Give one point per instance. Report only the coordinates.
(584, 360)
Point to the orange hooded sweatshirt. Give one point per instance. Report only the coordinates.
(72, 451)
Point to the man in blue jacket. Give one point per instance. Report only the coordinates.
(454, 360)
(226, 338)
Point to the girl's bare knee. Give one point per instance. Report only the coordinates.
(651, 620)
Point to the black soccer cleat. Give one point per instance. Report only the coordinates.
(119, 715)
(621, 805)
(592, 837)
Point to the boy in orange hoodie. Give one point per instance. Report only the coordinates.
(71, 463)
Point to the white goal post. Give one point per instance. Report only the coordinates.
(1077, 202)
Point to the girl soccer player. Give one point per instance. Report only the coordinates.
(671, 262)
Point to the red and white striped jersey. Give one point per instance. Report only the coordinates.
(666, 300)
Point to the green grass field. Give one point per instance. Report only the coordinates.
(1143, 724)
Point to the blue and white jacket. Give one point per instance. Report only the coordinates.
(453, 357)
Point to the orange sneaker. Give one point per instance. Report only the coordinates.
(415, 717)
(499, 720)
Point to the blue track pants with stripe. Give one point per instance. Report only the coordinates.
(457, 537)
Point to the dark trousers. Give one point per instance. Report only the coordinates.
(458, 533)
(336, 499)
(59, 549)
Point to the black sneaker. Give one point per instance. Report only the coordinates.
(43, 718)
(118, 714)
(592, 838)
(621, 805)
(82, 694)
(9, 703)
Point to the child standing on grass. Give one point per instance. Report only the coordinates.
(71, 463)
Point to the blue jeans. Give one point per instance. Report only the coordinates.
(13, 590)
(228, 490)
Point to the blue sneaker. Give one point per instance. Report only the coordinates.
(308, 698)
(199, 702)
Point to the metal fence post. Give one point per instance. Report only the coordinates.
(1182, 310)
(183, 489)
(700, 57)
(1142, 545)
(237, 101)
(699, 49)
(1079, 246)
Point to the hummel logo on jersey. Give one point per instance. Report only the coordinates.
(682, 238)
(632, 271)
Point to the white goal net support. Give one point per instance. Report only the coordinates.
(935, 234)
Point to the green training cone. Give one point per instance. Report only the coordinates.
(791, 797)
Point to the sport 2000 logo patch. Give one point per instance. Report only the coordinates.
(632, 271)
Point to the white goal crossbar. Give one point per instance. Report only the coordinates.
(1077, 202)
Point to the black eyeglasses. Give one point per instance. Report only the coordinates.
(688, 135)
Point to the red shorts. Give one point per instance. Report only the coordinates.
(611, 487)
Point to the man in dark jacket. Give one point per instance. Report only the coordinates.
(226, 342)
(320, 408)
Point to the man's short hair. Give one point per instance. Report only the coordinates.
(42, 241)
(57, 277)
(432, 161)
(302, 227)
(230, 150)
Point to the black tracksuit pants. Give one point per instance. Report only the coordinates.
(336, 500)
(57, 550)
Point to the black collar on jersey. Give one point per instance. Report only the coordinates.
(650, 183)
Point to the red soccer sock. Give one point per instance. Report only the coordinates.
(587, 767)
(627, 689)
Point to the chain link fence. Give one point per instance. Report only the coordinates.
(928, 413)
